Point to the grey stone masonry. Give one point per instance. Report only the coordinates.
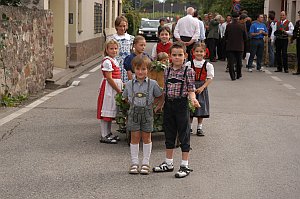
(28, 56)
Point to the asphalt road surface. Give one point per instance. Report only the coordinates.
(251, 149)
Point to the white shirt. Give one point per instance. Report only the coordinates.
(291, 27)
(273, 26)
(222, 28)
(202, 30)
(199, 64)
(187, 26)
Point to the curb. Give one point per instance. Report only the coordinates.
(66, 77)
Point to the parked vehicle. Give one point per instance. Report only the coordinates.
(149, 29)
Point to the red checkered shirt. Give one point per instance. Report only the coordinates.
(174, 88)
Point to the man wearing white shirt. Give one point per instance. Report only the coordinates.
(187, 30)
(201, 26)
(284, 29)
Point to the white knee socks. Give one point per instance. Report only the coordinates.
(104, 128)
(146, 153)
(134, 152)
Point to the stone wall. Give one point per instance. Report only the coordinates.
(28, 57)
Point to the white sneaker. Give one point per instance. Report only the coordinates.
(249, 69)
(163, 167)
(183, 172)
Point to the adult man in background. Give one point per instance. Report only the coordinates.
(187, 31)
(271, 29)
(258, 31)
(235, 36)
(284, 29)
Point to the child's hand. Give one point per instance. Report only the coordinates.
(195, 103)
(199, 90)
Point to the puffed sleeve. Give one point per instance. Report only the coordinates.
(210, 71)
(107, 66)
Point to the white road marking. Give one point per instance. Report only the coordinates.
(31, 106)
(288, 86)
(95, 69)
(268, 72)
(276, 78)
(75, 83)
(83, 76)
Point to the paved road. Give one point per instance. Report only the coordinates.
(251, 148)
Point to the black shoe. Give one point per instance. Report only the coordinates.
(200, 132)
(286, 71)
(115, 137)
(297, 73)
(276, 71)
(183, 172)
(163, 167)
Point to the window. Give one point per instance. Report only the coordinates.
(97, 18)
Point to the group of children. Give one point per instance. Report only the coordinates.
(183, 82)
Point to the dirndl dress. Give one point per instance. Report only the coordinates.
(106, 106)
(203, 99)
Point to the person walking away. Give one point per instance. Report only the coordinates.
(140, 92)
(296, 35)
(213, 37)
(284, 29)
(164, 43)
(271, 29)
(125, 43)
(111, 84)
(235, 36)
(187, 31)
(257, 31)
(139, 45)
(179, 86)
(204, 73)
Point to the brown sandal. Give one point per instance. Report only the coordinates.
(145, 169)
(134, 169)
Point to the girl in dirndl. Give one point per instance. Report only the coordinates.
(111, 84)
(204, 73)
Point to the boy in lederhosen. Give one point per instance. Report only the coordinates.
(140, 93)
(179, 86)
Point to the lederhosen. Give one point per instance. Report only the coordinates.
(176, 116)
(200, 79)
(140, 118)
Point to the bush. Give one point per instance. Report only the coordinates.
(133, 22)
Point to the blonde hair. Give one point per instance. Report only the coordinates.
(162, 56)
(141, 60)
(137, 39)
(107, 43)
(119, 19)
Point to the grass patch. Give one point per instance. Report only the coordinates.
(11, 101)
